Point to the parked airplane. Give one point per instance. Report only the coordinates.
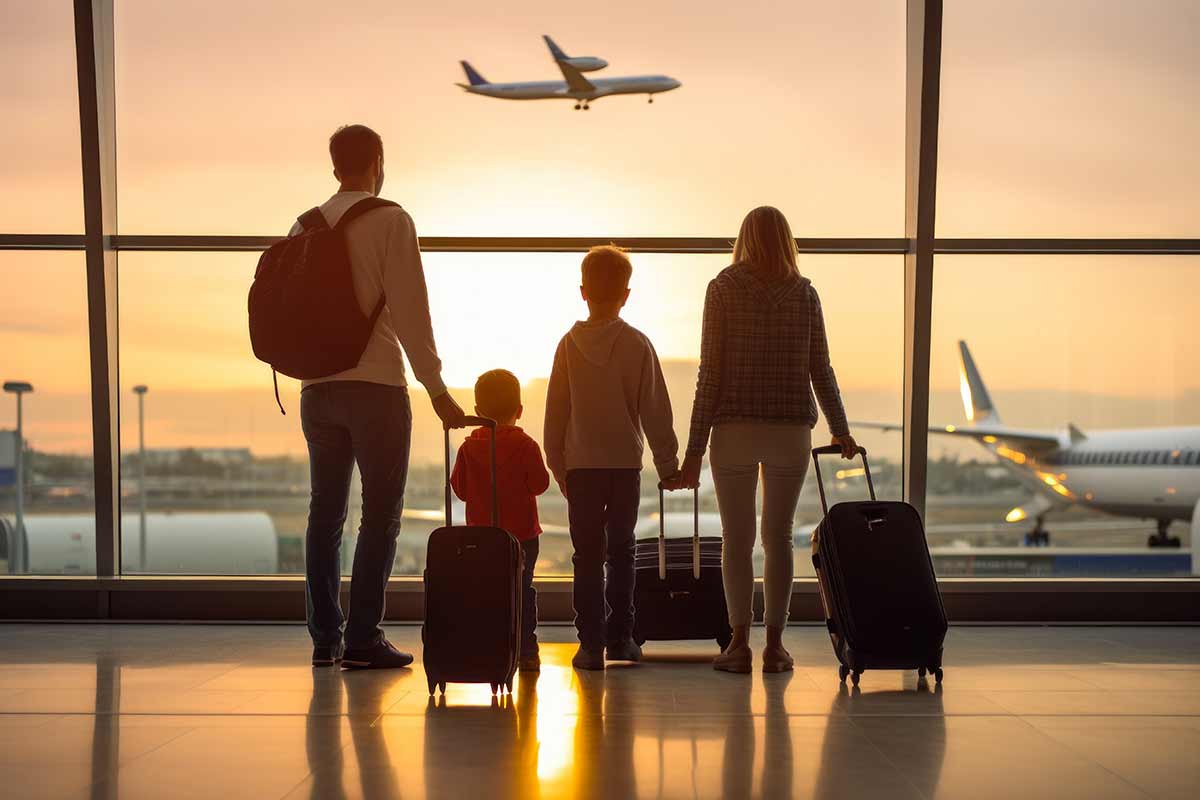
(574, 86)
(1149, 473)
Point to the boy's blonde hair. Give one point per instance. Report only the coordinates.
(498, 394)
(765, 243)
(606, 272)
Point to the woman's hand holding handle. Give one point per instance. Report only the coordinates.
(848, 445)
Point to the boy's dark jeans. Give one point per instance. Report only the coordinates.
(346, 422)
(602, 505)
(529, 642)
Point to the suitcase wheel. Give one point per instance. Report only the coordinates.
(724, 639)
(854, 677)
(442, 687)
(495, 688)
(432, 685)
(843, 671)
(920, 672)
(508, 686)
(937, 675)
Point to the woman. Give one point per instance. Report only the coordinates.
(763, 353)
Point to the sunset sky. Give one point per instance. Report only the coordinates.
(1062, 119)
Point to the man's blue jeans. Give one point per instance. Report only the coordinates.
(345, 422)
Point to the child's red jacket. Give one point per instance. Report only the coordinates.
(520, 473)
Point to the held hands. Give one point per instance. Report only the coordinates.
(688, 476)
(848, 445)
(448, 411)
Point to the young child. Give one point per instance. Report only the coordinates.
(606, 388)
(520, 477)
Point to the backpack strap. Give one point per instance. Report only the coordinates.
(275, 378)
(312, 220)
(361, 207)
(354, 212)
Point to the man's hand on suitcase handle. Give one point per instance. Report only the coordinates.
(848, 445)
(450, 413)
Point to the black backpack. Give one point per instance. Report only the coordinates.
(305, 320)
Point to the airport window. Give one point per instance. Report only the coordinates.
(222, 464)
(639, 156)
(968, 507)
(39, 140)
(1026, 134)
(48, 526)
(214, 481)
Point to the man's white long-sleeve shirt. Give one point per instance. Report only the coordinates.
(385, 258)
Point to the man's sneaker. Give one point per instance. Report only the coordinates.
(530, 662)
(382, 655)
(626, 650)
(587, 658)
(327, 655)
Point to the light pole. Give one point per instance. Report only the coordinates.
(140, 390)
(18, 555)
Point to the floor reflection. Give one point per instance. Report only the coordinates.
(138, 718)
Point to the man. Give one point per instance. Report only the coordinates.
(363, 415)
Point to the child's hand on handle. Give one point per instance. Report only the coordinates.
(848, 445)
(689, 473)
(450, 413)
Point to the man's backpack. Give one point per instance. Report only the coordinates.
(305, 320)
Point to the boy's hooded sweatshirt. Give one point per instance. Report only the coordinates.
(606, 388)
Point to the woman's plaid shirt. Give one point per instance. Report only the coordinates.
(763, 352)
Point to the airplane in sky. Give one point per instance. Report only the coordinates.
(574, 85)
(1148, 473)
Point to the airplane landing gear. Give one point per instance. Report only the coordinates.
(1161, 539)
(578, 106)
(1039, 536)
(649, 98)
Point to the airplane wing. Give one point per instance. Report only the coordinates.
(985, 433)
(575, 80)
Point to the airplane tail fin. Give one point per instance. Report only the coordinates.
(473, 77)
(555, 50)
(977, 403)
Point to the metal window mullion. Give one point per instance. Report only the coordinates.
(922, 86)
(94, 48)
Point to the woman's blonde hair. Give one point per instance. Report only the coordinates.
(765, 243)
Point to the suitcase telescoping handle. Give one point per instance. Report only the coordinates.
(662, 534)
(466, 423)
(829, 450)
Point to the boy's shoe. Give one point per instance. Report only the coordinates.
(381, 655)
(530, 662)
(586, 658)
(327, 655)
(625, 650)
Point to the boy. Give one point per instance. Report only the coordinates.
(606, 388)
(520, 478)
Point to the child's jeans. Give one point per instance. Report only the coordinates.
(529, 642)
(602, 505)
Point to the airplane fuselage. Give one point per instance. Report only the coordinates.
(1148, 472)
(559, 90)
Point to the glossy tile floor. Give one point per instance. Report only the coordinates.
(234, 711)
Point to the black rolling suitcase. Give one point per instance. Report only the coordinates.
(472, 597)
(882, 605)
(679, 593)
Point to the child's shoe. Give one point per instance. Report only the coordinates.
(587, 658)
(625, 650)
